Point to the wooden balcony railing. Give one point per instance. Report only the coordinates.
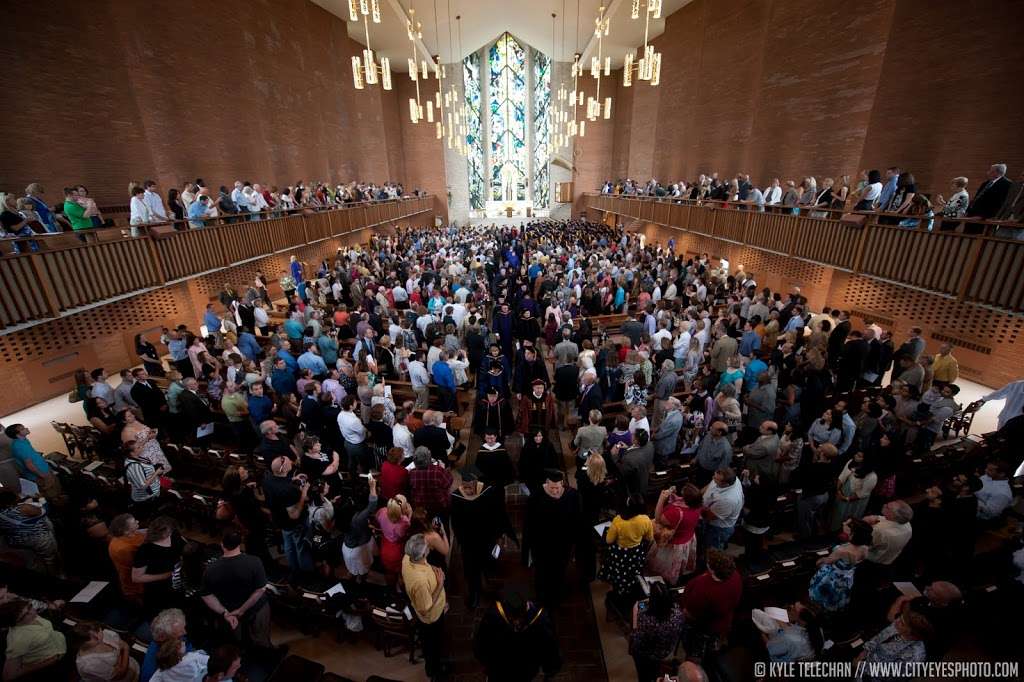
(68, 270)
(974, 260)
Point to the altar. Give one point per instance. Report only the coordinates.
(511, 198)
(500, 209)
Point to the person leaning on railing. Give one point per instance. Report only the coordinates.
(74, 211)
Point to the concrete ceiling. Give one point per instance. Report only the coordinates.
(484, 20)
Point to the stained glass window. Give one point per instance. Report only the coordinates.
(541, 135)
(507, 93)
(474, 132)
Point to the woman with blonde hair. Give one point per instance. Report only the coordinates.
(727, 408)
(394, 521)
(810, 192)
(770, 335)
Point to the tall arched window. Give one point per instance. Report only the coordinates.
(474, 137)
(541, 135)
(507, 95)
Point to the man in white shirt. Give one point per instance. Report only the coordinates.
(662, 333)
(100, 387)
(891, 532)
(152, 199)
(259, 314)
(995, 494)
(419, 377)
(401, 296)
(774, 194)
(723, 502)
(401, 435)
(238, 198)
(1013, 392)
(352, 432)
(424, 321)
(458, 313)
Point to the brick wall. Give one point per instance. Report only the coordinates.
(780, 88)
(259, 89)
(423, 152)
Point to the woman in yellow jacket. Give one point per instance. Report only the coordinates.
(627, 551)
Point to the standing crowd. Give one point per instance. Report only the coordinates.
(651, 408)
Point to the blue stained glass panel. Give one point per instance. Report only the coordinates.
(541, 130)
(474, 136)
(507, 94)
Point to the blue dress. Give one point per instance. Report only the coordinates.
(832, 585)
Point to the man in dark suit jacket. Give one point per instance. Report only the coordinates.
(195, 409)
(150, 399)
(990, 196)
(851, 366)
(837, 338)
(591, 397)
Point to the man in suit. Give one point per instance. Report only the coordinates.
(591, 397)
(633, 329)
(991, 195)
(566, 351)
(854, 359)
(837, 338)
(724, 348)
(634, 463)
(150, 399)
(196, 410)
(668, 431)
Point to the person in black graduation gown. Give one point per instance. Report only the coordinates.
(516, 640)
(493, 462)
(552, 529)
(493, 412)
(536, 458)
(478, 520)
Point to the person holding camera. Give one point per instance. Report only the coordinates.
(286, 498)
(144, 481)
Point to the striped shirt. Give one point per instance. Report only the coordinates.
(137, 471)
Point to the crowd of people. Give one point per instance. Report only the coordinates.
(189, 206)
(409, 388)
(894, 192)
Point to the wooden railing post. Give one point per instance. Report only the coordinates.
(45, 285)
(154, 256)
(970, 270)
(862, 241)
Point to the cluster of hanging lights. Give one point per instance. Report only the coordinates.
(449, 112)
(648, 66)
(366, 70)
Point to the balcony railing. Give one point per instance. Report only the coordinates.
(973, 260)
(69, 270)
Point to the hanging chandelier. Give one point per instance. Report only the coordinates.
(600, 64)
(561, 114)
(366, 70)
(576, 127)
(648, 67)
(439, 77)
(461, 109)
(555, 113)
(417, 71)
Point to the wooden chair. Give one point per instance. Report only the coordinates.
(391, 627)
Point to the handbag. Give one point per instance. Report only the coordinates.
(854, 219)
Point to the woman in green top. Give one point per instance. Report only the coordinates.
(32, 643)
